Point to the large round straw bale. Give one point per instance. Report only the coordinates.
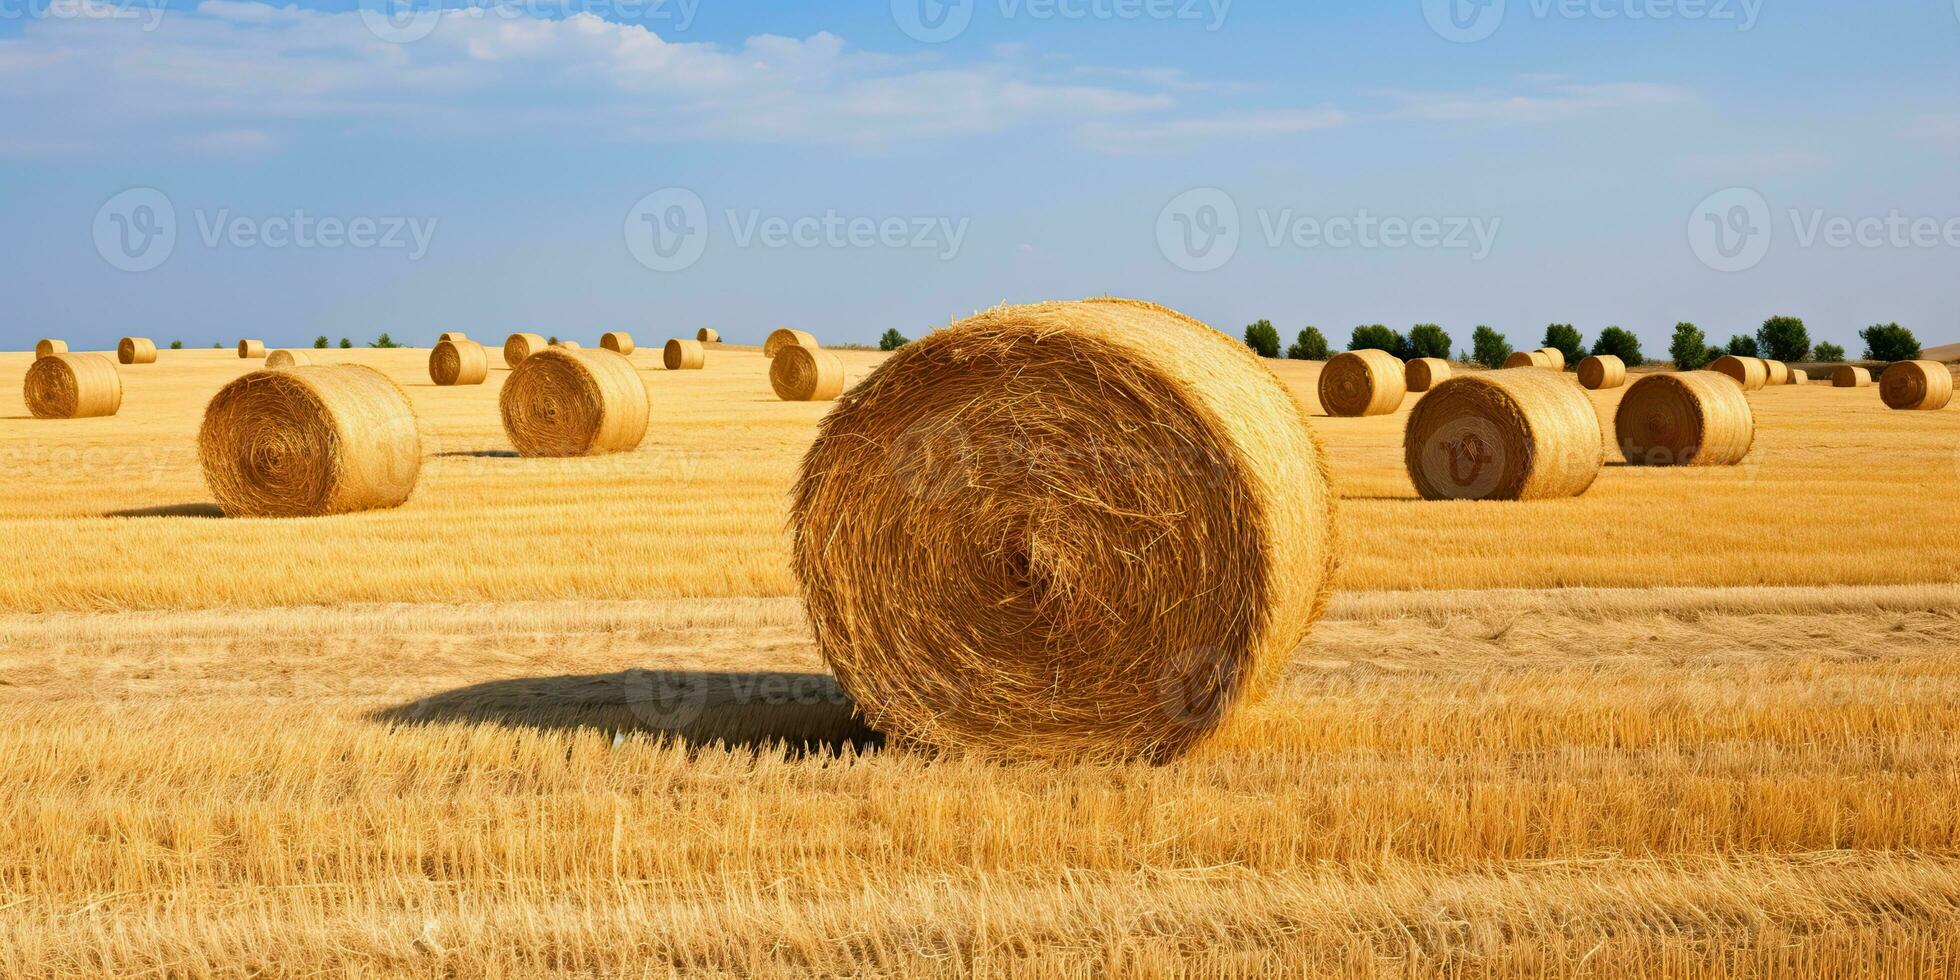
(684, 355)
(574, 403)
(708, 335)
(283, 358)
(1749, 372)
(1363, 382)
(1425, 373)
(459, 362)
(806, 374)
(521, 346)
(1916, 386)
(251, 349)
(1062, 531)
(1799, 376)
(617, 341)
(1776, 374)
(451, 335)
(1554, 356)
(785, 337)
(136, 350)
(1602, 372)
(72, 386)
(1847, 376)
(1528, 358)
(48, 346)
(311, 440)
(1516, 434)
(1696, 418)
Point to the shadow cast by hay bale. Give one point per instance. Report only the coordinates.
(170, 510)
(797, 713)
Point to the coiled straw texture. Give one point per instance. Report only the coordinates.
(684, 355)
(521, 346)
(136, 350)
(1425, 373)
(806, 374)
(785, 337)
(1516, 434)
(308, 441)
(1697, 418)
(574, 403)
(1602, 372)
(283, 358)
(1363, 382)
(1847, 376)
(1069, 530)
(72, 386)
(459, 362)
(617, 341)
(1916, 386)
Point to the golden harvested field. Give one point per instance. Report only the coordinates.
(1694, 723)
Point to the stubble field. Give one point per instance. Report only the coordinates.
(1693, 721)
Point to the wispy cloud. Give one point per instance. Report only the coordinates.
(1186, 133)
(1542, 101)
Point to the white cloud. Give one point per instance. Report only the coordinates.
(1179, 134)
(1545, 101)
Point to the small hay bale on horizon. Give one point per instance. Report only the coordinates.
(1361, 383)
(1850, 376)
(49, 346)
(286, 358)
(1602, 372)
(1554, 357)
(458, 362)
(72, 386)
(1528, 359)
(520, 346)
(708, 335)
(251, 349)
(1691, 418)
(684, 355)
(785, 337)
(136, 350)
(1425, 373)
(1750, 373)
(806, 374)
(1513, 434)
(617, 341)
(1776, 374)
(309, 441)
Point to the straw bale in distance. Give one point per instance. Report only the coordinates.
(72, 386)
(684, 355)
(1602, 372)
(1847, 376)
(574, 403)
(708, 335)
(136, 350)
(283, 358)
(617, 341)
(1554, 357)
(1751, 373)
(1515, 434)
(1695, 418)
(451, 335)
(1776, 374)
(521, 346)
(1363, 382)
(1425, 373)
(251, 349)
(785, 337)
(1916, 386)
(310, 440)
(459, 362)
(806, 374)
(569, 345)
(1528, 358)
(1798, 376)
(48, 346)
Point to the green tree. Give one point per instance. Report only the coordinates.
(1428, 340)
(1378, 337)
(1827, 353)
(1263, 338)
(320, 342)
(1312, 346)
(1489, 348)
(1743, 345)
(1889, 342)
(217, 345)
(1566, 339)
(893, 340)
(176, 345)
(1690, 347)
(345, 343)
(384, 341)
(1783, 338)
(1621, 344)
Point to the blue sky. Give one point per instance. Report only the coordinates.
(584, 165)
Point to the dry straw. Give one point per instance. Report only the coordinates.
(283, 358)
(568, 345)
(136, 350)
(1425, 373)
(48, 347)
(1697, 418)
(708, 335)
(1776, 373)
(1846, 376)
(1528, 359)
(806, 374)
(521, 346)
(251, 349)
(72, 386)
(459, 362)
(1749, 372)
(684, 355)
(1517, 434)
(1363, 382)
(1916, 386)
(1063, 531)
(1602, 372)
(1554, 356)
(574, 403)
(1798, 376)
(785, 337)
(451, 335)
(617, 341)
(307, 441)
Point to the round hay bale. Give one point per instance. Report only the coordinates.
(310, 440)
(283, 358)
(684, 355)
(251, 349)
(136, 350)
(1846, 376)
(785, 337)
(567, 345)
(1554, 357)
(1361, 383)
(708, 335)
(1063, 531)
(72, 386)
(1528, 358)
(1425, 373)
(1696, 418)
(1749, 372)
(806, 374)
(1916, 386)
(1776, 374)
(1516, 434)
(617, 341)
(521, 346)
(574, 403)
(451, 335)
(1602, 372)
(48, 347)
(459, 362)
(1799, 376)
